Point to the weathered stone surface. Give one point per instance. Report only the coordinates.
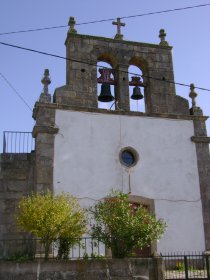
(44, 150)
(17, 179)
(43, 187)
(44, 175)
(203, 158)
(17, 186)
(113, 269)
(44, 131)
(155, 61)
(2, 187)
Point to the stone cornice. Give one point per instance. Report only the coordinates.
(200, 139)
(44, 129)
(105, 39)
(56, 106)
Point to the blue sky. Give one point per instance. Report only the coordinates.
(187, 31)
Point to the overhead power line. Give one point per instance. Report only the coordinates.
(93, 64)
(15, 91)
(105, 20)
(33, 30)
(146, 14)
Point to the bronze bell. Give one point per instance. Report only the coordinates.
(105, 95)
(136, 93)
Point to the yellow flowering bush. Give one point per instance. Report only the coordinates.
(50, 217)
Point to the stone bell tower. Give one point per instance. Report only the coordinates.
(83, 52)
(159, 157)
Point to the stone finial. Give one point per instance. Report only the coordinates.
(72, 23)
(118, 36)
(46, 81)
(162, 36)
(196, 111)
(193, 95)
(45, 96)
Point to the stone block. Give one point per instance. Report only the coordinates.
(45, 161)
(44, 150)
(42, 188)
(44, 138)
(16, 186)
(18, 174)
(2, 207)
(2, 186)
(10, 206)
(44, 175)
(11, 157)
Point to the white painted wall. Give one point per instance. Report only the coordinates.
(86, 164)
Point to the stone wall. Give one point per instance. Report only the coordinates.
(43, 132)
(16, 180)
(203, 158)
(155, 61)
(115, 269)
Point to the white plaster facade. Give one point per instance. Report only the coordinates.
(86, 164)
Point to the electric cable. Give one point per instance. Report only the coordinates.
(33, 30)
(146, 14)
(15, 91)
(105, 20)
(93, 64)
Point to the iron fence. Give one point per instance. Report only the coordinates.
(17, 142)
(176, 266)
(29, 248)
(187, 266)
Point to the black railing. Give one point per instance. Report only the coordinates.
(187, 266)
(23, 249)
(17, 142)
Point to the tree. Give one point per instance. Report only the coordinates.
(49, 217)
(123, 228)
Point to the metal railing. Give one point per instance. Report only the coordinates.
(190, 266)
(17, 142)
(24, 249)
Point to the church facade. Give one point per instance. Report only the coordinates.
(160, 157)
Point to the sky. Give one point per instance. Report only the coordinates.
(187, 31)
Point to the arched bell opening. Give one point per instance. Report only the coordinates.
(136, 89)
(105, 86)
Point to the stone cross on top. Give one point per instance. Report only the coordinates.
(118, 36)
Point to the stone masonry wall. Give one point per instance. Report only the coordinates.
(43, 132)
(114, 269)
(203, 159)
(155, 61)
(16, 180)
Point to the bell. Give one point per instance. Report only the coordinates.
(136, 93)
(105, 95)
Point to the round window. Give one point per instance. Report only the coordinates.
(128, 157)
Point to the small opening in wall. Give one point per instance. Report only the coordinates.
(124, 79)
(128, 157)
(82, 70)
(163, 78)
